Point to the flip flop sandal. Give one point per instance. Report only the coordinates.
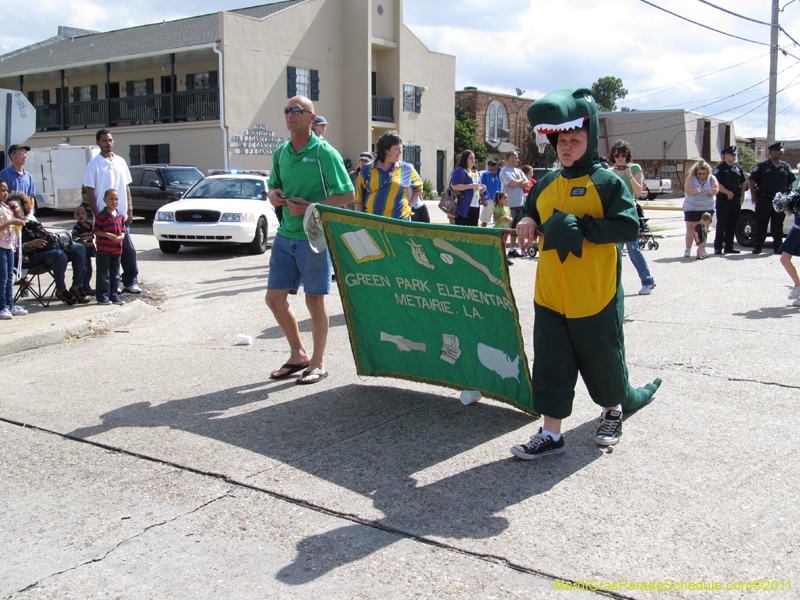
(292, 369)
(319, 376)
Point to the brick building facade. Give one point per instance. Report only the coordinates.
(493, 111)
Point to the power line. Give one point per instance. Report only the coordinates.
(730, 12)
(706, 26)
(670, 86)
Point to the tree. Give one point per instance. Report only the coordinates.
(465, 137)
(530, 152)
(747, 158)
(606, 91)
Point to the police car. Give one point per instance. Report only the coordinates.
(227, 207)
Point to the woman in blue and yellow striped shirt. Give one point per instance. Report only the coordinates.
(388, 186)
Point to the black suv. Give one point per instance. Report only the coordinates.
(153, 186)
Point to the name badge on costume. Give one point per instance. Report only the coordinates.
(578, 191)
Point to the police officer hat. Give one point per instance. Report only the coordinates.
(729, 150)
(775, 146)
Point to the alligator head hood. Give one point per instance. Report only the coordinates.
(566, 109)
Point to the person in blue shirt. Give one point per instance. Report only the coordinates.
(491, 179)
(15, 176)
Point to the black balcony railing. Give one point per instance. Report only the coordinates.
(382, 109)
(197, 105)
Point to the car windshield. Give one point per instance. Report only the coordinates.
(228, 187)
(186, 176)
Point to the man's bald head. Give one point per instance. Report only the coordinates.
(302, 102)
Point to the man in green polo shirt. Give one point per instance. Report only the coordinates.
(306, 169)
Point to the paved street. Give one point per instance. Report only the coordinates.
(154, 459)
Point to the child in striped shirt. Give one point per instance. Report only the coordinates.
(109, 229)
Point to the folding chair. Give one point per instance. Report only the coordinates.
(32, 281)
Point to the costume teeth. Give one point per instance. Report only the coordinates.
(547, 128)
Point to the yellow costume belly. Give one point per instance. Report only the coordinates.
(578, 287)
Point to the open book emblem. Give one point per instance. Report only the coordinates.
(362, 246)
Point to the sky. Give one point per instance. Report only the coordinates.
(542, 45)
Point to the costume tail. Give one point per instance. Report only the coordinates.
(638, 398)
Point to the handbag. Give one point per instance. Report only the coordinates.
(450, 201)
(59, 241)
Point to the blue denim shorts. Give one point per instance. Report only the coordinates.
(293, 261)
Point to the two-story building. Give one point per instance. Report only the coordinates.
(210, 90)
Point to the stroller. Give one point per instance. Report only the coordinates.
(646, 237)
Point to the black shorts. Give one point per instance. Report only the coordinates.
(693, 216)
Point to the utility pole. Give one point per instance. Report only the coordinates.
(773, 74)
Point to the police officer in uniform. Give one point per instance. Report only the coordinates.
(767, 179)
(732, 185)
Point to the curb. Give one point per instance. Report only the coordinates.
(78, 328)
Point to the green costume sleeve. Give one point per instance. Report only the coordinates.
(621, 222)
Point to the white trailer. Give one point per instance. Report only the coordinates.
(58, 174)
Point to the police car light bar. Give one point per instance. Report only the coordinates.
(262, 172)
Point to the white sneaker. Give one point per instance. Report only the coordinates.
(18, 311)
(646, 289)
(796, 302)
(795, 293)
(5, 314)
(705, 254)
(687, 253)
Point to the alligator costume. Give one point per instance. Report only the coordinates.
(584, 212)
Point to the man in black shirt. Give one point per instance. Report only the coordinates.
(768, 178)
(732, 185)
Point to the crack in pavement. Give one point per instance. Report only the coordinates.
(353, 518)
(686, 368)
(119, 544)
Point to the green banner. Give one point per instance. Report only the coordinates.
(429, 303)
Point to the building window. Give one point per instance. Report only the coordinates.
(496, 119)
(201, 81)
(149, 154)
(302, 82)
(84, 93)
(411, 154)
(140, 87)
(412, 98)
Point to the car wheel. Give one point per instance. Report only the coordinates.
(746, 229)
(651, 195)
(259, 243)
(169, 247)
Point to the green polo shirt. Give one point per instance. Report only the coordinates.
(314, 173)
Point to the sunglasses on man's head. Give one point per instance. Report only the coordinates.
(295, 110)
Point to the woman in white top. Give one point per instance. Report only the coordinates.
(700, 188)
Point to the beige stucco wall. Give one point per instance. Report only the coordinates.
(384, 27)
(256, 55)
(198, 144)
(432, 128)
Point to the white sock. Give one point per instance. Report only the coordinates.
(555, 436)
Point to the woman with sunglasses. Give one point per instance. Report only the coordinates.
(621, 156)
(700, 188)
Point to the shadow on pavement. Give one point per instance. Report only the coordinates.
(377, 442)
(770, 312)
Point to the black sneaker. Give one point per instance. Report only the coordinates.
(514, 253)
(610, 429)
(538, 446)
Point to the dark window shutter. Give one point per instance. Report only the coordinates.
(129, 90)
(213, 80)
(45, 97)
(135, 157)
(76, 94)
(189, 82)
(93, 91)
(314, 85)
(58, 95)
(417, 99)
(163, 153)
(291, 81)
(32, 98)
(149, 87)
(417, 157)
